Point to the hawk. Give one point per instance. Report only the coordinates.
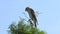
(31, 14)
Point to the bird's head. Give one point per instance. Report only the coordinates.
(27, 8)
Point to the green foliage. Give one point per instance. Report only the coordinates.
(22, 28)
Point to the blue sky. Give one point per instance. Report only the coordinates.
(49, 20)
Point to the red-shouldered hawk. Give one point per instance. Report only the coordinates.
(32, 15)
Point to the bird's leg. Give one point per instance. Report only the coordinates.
(30, 21)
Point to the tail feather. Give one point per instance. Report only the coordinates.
(35, 23)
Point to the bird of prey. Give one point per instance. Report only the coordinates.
(31, 15)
